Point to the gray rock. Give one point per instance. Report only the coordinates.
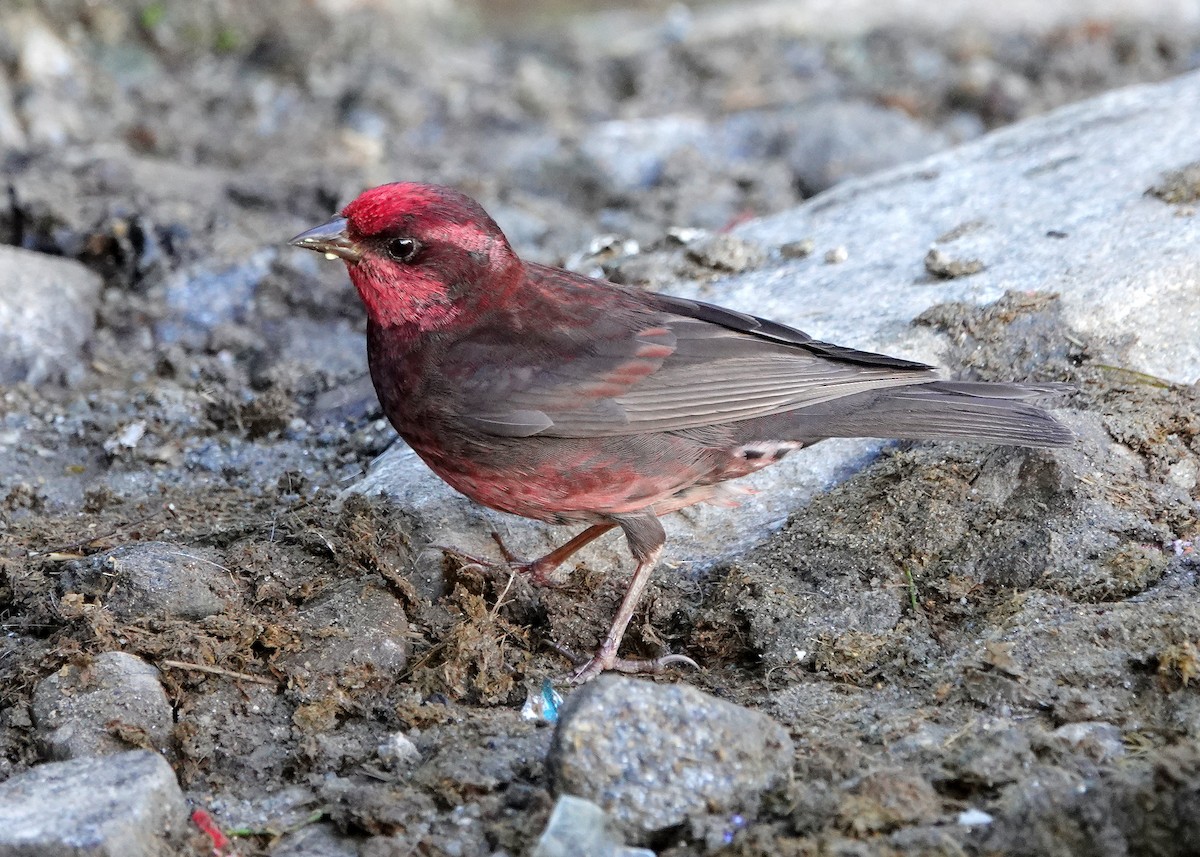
(1055, 203)
(240, 733)
(47, 314)
(45, 58)
(51, 120)
(397, 751)
(1101, 741)
(654, 756)
(356, 637)
(857, 17)
(1007, 198)
(724, 252)
(51, 81)
(124, 805)
(102, 708)
(843, 139)
(154, 579)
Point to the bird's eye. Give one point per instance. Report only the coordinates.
(403, 249)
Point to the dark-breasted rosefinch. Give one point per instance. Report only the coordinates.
(570, 400)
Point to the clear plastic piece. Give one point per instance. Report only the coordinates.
(579, 828)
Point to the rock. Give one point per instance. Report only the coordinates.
(941, 265)
(154, 579)
(237, 732)
(104, 707)
(654, 756)
(45, 59)
(1009, 198)
(1055, 203)
(724, 252)
(398, 751)
(52, 81)
(857, 17)
(122, 805)
(355, 640)
(993, 753)
(1101, 741)
(47, 314)
(51, 120)
(843, 139)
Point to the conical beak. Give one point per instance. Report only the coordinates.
(330, 238)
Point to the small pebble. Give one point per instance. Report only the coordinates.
(798, 249)
(974, 818)
(941, 265)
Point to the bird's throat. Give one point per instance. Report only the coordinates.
(414, 303)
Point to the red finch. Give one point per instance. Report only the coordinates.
(570, 400)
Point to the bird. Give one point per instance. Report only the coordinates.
(572, 400)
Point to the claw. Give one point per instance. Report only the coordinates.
(587, 669)
(599, 664)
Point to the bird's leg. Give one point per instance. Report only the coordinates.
(646, 539)
(539, 570)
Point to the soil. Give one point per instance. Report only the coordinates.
(952, 629)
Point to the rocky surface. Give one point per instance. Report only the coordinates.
(47, 313)
(655, 757)
(971, 649)
(110, 704)
(123, 805)
(151, 578)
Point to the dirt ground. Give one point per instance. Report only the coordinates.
(954, 628)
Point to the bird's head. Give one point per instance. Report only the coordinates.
(418, 254)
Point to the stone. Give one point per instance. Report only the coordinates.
(103, 707)
(654, 756)
(122, 805)
(154, 579)
(355, 639)
(47, 314)
(724, 252)
(316, 840)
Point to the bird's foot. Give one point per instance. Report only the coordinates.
(537, 570)
(587, 669)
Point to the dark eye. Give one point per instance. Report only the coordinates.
(403, 249)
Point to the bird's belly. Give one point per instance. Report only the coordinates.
(562, 480)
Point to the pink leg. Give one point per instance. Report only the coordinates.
(646, 538)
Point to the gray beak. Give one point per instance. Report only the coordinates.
(331, 239)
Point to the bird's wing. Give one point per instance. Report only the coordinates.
(653, 363)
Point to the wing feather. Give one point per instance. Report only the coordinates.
(647, 362)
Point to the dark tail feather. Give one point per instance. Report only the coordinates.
(996, 413)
